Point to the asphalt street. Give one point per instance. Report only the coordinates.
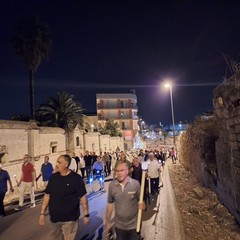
(160, 221)
(23, 225)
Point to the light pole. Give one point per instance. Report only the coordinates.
(168, 85)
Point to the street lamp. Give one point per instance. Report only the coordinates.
(168, 85)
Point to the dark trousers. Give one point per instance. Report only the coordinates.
(83, 172)
(88, 171)
(105, 170)
(127, 234)
(154, 185)
(108, 170)
(2, 211)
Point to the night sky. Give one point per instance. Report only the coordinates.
(114, 46)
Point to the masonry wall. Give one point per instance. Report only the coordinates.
(227, 113)
(19, 138)
(221, 174)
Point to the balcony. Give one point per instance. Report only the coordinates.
(116, 106)
(117, 118)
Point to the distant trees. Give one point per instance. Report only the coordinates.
(31, 43)
(111, 128)
(61, 111)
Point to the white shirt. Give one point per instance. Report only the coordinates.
(153, 168)
(73, 165)
(82, 162)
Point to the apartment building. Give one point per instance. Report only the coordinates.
(122, 108)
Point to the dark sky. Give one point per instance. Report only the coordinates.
(114, 46)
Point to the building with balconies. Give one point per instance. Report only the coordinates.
(122, 108)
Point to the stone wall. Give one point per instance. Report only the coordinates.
(19, 138)
(218, 169)
(227, 113)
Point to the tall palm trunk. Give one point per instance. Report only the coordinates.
(31, 94)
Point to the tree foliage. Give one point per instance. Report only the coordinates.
(111, 128)
(31, 43)
(61, 111)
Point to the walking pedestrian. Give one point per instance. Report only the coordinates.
(46, 171)
(106, 161)
(98, 169)
(77, 159)
(88, 164)
(82, 165)
(137, 170)
(63, 194)
(73, 165)
(153, 173)
(109, 163)
(26, 181)
(172, 155)
(4, 178)
(123, 195)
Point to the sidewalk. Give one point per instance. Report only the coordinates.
(162, 219)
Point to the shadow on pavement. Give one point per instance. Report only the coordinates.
(151, 207)
(94, 230)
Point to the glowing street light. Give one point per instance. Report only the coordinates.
(168, 85)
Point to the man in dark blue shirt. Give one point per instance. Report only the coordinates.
(4, 178)
(46, 171)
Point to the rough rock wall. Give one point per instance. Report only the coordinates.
(197, 145)
(227, 113)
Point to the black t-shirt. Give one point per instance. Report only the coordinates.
(88, 160)
(137, 173)
(65, 193)
(94, 158)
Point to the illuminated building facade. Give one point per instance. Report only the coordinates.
(122, 108)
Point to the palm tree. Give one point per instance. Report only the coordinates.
(60, 111)
(31, 43)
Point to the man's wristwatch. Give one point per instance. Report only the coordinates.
(86, 215)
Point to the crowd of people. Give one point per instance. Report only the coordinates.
(65, 186)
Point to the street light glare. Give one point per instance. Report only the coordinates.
(167, 85)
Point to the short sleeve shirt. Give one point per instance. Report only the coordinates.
(4, 177)
(153, 168)
(126, 203)
(65, 193)
(27, 171)
(46, 170)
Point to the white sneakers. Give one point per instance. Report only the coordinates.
(32, 205)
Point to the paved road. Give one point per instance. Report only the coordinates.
(23, 225)
(160, 221)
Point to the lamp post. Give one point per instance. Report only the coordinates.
(168, 85)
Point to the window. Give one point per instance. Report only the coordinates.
(122, 104)
(54, 149)
(53, 146)
(77, 141)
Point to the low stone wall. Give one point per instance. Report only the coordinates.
(18, 138)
